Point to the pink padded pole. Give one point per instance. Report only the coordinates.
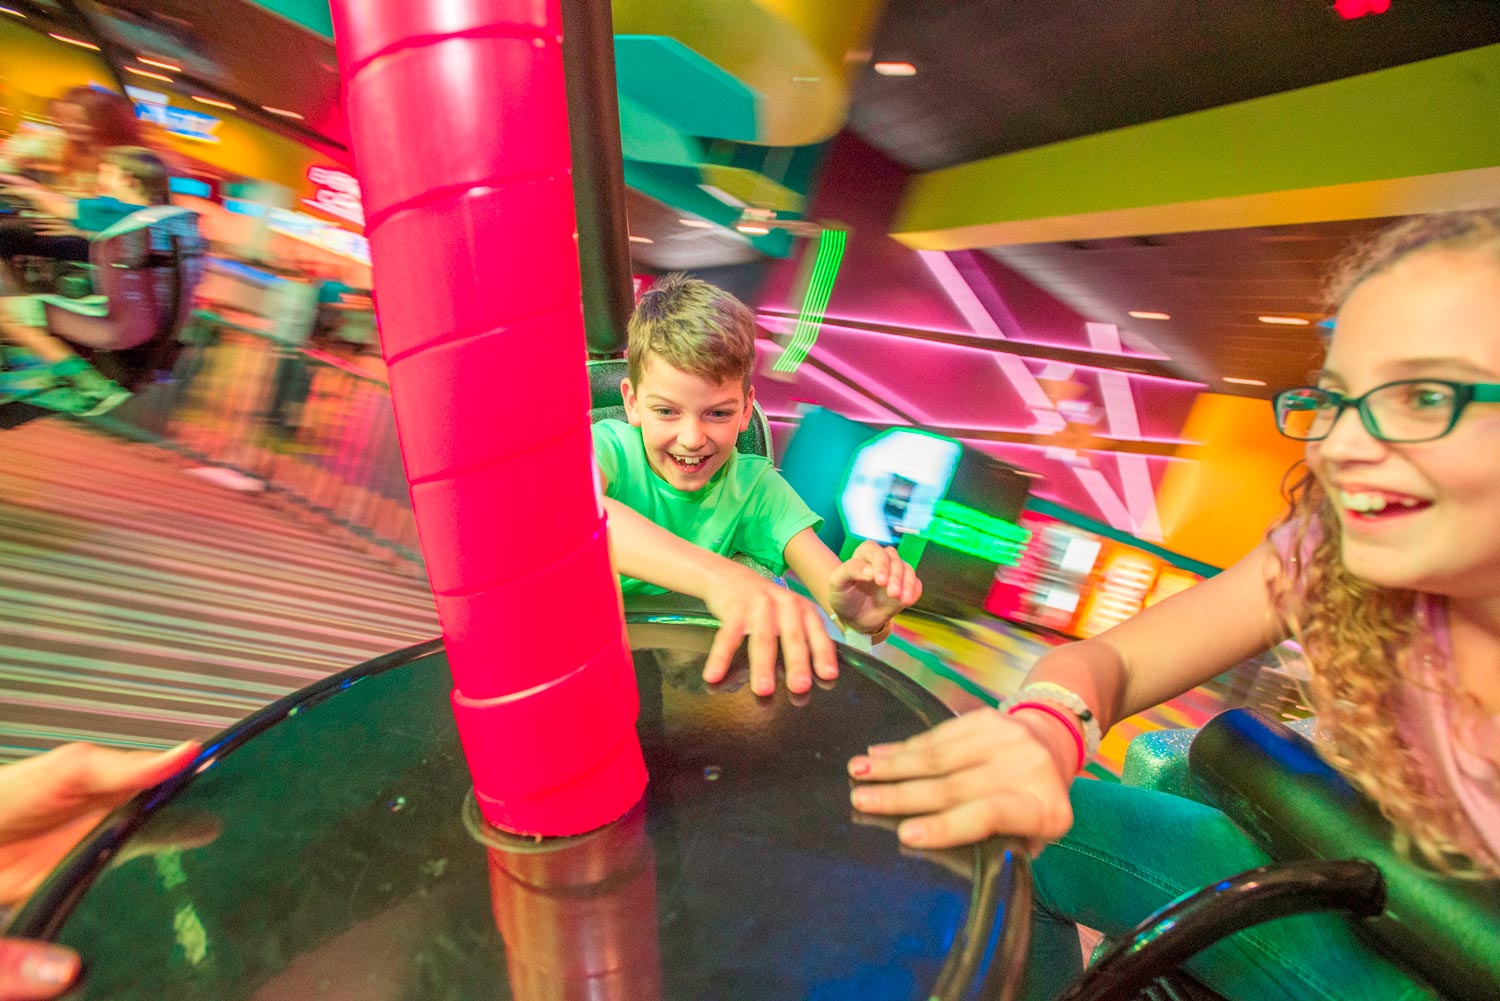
(460, 136)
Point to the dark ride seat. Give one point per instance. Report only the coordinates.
(1334, 852)
(607, 402)
(144, 271)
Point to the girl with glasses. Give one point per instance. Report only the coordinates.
(1386, 570)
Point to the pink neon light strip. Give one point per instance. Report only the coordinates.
(1140, 498)
(1119, 406)
(961, 295)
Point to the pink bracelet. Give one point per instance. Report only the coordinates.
(1061, 717)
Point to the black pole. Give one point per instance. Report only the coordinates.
(598, 173)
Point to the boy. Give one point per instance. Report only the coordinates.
(680, 499)
(130, 178)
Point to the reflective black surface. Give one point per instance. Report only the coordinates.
(331, 858)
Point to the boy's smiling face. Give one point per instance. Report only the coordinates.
(688, 423)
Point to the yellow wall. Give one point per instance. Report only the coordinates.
(35, 68)
(1217, 508)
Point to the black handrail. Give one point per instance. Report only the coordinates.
(1182, 929)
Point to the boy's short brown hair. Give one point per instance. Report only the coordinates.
(693, 326)
(143, 167)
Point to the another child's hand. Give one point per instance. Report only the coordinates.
(874, 584)
(983, 773)
(53, 226)
(35, 971)
(49, 802)
(747, 604)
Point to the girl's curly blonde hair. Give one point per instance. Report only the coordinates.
(1359, 637)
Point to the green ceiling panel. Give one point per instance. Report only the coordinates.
(1376, 132)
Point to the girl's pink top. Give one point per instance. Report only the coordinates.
(1446, 739)
(1449, 739)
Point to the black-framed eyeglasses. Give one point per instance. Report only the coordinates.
(1406, 411)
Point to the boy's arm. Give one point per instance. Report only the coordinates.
(745, 603)
(865, 592)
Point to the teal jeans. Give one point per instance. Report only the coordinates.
(1132, 851)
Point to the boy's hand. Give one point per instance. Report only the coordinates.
(874, 584)
(748, 604)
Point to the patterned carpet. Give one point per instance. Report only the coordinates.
(141, 605)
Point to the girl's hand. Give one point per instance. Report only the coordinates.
(53, 226)
(983, 773)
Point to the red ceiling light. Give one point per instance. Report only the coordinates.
(1351, 9)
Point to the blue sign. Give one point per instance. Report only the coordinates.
(180, 121)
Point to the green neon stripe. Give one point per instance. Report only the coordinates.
(829, 256)
(1072, 517)
(965, 539)
(979, 521)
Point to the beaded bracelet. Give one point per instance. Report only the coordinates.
(1066, 698)
(1062, 717)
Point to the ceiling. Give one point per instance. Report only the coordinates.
(997, 76)
(1214, 286)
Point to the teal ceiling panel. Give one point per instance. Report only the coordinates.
(684, 89)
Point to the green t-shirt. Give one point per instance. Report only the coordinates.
(746, 508)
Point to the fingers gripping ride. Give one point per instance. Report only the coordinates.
(748, 606)
(981, 774)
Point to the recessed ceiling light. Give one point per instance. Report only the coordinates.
(895, 69)
(1243, 382)
(12, 12)
(159, 64)
(1142, 314)
(752, 229)
(1286, 321)
(641, 239)
(281, 111)
(74, 41)
(214, 101)
(697, 223)
(147, 73)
